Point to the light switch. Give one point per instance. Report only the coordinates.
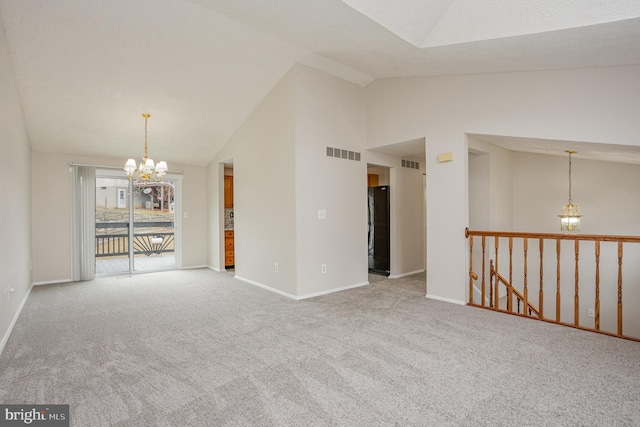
(322, 214)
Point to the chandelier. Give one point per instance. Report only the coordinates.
(570, 213)
(147, 169)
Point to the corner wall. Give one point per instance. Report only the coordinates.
(263, 155)
(497, 186)
(282, 177)
(329, 113)
(15, 213)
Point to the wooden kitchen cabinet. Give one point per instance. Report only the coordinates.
(229, 252)
(228, 191)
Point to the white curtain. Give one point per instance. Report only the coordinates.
(84, 222)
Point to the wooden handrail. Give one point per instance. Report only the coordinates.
(513, 290)
(554, 236)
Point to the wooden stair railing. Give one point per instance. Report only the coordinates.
(511, 291)
(612, 309)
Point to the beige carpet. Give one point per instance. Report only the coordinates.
(199, 348)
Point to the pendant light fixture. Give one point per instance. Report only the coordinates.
(147, 169)
(570, 213)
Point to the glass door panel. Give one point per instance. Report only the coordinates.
(112, 225)
(154, 226)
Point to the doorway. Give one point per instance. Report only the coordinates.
(379, 220)
(135, 225)
(229, 216)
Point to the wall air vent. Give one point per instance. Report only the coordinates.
(410, 164)
(343, 154)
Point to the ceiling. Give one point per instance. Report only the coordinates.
(584, 150)
(87, 69)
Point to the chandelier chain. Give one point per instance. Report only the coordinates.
(570, 153)
(146, 117)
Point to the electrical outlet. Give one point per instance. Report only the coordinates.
(276, 267)
(323, 268)
(591, 313)
(11, 290)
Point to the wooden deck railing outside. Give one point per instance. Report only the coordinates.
(583, 277)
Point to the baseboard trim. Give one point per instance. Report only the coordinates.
(411, 273)
(5, 339)
(268, 288)
(299, 298)
(216, 269)
(331, 291)
(194, 267)
(449, 300)
(52, 282)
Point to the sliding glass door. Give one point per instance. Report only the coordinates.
(154, 226)
(112, 225)
(135, 225)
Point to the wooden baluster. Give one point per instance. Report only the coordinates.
(558, 280)
(597, 308)
(470, 269)
(540, 293)
(483, 270)
(525, 303)
(491, 276)
(496, 303)
(576, 298)
(619, 288)
(509, 293)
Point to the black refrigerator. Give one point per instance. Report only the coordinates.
(379, 230)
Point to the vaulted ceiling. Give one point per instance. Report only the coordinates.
(87, 69)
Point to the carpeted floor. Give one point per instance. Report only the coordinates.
(199, 348)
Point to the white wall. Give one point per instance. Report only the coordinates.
(479, 191)
(263, 155)
(605, 191)
(15, 208)
(329, 112)
(51, 219)
(408, 249)
(590, 105)
(496, 186)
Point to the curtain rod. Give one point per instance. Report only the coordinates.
(115, 168)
